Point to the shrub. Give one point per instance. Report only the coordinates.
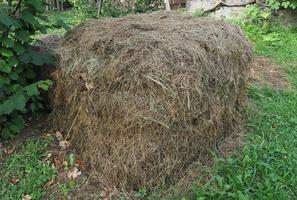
(147, 5)
(19, 90)
(254, 14)
(278, 4)
(115, 8)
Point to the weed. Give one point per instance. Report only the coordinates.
(31, 172)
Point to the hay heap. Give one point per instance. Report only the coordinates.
(144, 96)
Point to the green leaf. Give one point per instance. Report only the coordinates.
(44, 85)
(44, 18)
(36, 58)
(23, 35)
(7, 107)
(37, 4)
(6, 20)
(9, 21)
(30, 74)
(5, 133)
(32, 90)
(5, 68)
(286, 4)
(5, 52)
(19, 69)
(16, 87)
(49, 59)
(13, 61)
(17, 123)
(2, 63)
(16, 127)
(19, 101)
(29, 18)
(25, 57)
(4, 80)
(19, 49)
(32, 57)
(13, 76)
(8, 42)
(61, 24)
(71, 159)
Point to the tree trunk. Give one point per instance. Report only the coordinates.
(62, 5)
(58, 4)
(167, 5)
(100, 4)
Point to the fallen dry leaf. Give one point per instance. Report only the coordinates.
(64, 144)
(9, 150)
(27, 197)
(57, 162)
(80, 164)
(89, 86)
(59, 136)
(50, 133)
(65, 163)
(14, 180)
(74, 173)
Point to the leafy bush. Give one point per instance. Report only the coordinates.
(278, 4)
(112, 9)
(83, 9)
(19, 92)
(256, 15)
(115, 8)
(142, 6)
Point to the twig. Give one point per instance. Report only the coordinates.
(223, 4)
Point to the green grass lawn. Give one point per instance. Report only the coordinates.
(25, 172)
(266, 168)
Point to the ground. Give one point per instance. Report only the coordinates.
(39, 165)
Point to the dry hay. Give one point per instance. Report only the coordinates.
(144, 96)
(265, 72)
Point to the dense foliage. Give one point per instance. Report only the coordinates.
(19, 90)
(115, 8)
(277, 4)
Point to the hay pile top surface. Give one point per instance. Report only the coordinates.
(144, 96)
(137, 35)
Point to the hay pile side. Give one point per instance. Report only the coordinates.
(143, 96)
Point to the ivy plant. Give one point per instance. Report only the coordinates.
(19, 90)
